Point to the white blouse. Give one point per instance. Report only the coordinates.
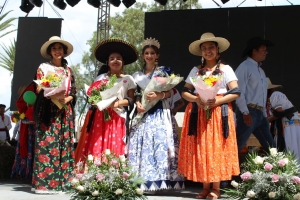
(279, 100)
(228, 76)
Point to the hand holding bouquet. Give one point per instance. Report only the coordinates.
(54, 86)
(156, 84)
(207, 87)
(102, 94)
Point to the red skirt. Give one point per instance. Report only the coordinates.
(104, 135)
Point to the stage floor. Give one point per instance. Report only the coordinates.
(15, 189)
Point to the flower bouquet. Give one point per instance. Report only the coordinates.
(207, 87)
(272, 177)
(16, 116)
(108, 177)
(156, 84)
(103, 92)
(53, 85)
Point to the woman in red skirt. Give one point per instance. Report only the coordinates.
(101, 134)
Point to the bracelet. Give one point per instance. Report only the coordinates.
(164, 95)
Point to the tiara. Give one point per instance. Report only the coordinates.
(151, 42)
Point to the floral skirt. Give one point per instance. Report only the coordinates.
(104, 135)
(22, 167)
(54, 153)
(153, 150)
(208, 156)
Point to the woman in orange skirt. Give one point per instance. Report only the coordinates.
(208, 150)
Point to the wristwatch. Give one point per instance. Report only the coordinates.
(246, 113)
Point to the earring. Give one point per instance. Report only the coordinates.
(202, 61)
(156, 62)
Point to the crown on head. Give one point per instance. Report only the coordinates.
(151, 42)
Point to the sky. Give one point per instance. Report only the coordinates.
(81, 20)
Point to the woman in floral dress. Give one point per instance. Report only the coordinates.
(110, 134)
(208, 150)
(54, 153)
(153, 144)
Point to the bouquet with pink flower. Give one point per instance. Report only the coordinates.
(107, 177)
(207, 86)
(156, 84)
(274, 176)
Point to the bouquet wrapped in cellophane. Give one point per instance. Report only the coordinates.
(54, 86)
(207, 87)
(156, 84)
(103, 93)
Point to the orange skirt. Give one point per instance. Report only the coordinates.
(208, 156)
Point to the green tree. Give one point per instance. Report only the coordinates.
(129, 25)
(4, 25)
(7, 58)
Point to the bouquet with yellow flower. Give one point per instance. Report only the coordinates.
(16, 116)
(207, 87)
(53, 83)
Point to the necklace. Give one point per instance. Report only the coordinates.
(53, 64)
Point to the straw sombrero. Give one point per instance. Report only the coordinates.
(109, 46)
(55, 39)
(194, 47)
(256, 42)
(271, 86)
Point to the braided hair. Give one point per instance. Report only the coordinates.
(217, 71)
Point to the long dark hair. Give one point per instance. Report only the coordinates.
(64, 62)
(156, 50)
(202, 71)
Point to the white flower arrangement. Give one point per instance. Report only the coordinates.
(106, 178)
(272, 177)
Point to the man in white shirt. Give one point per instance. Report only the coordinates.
(251, 114)
(5, 124)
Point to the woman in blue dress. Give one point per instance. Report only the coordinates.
(153, 143)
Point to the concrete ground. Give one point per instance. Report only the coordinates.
(16, 189)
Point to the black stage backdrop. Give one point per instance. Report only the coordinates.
(33, 32)
(175, 30)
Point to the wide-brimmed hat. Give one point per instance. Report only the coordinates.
(194, 47)
(256, 42)
(109, 46)
(52, 40)
(271, 86)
